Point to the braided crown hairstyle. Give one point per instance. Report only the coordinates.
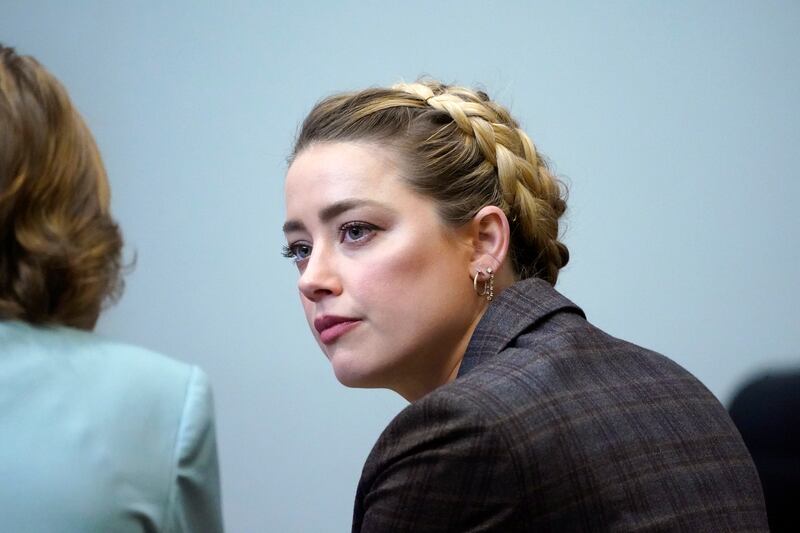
(464, 151)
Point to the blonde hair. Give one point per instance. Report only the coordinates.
(59, 246)
(464, 151)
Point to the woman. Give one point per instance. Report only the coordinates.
(96, 435)
(424, 224)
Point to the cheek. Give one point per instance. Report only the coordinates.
(391, 274)
(411, 281)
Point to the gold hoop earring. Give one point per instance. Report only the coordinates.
(488, 285)
(478, 272)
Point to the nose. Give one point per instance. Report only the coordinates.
(319, 277)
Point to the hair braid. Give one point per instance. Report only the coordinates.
(532, 196)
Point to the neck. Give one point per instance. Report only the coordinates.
(430, 378)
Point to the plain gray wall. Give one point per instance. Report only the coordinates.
(677, 126)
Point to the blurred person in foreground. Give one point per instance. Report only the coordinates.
(424, 225)
(766, 410)
(97, 436)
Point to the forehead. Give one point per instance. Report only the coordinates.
(325, 173)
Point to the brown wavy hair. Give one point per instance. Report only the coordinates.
(464, 151)
(60, 249)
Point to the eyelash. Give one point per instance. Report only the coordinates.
(356, 224)
(290, 251)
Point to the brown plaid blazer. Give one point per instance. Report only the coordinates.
(553, 425)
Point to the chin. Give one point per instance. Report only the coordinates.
(350, 374)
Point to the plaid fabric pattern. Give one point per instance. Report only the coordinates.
(553, 425)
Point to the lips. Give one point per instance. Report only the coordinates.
(331, 328)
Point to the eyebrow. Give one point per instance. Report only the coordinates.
(332, 211)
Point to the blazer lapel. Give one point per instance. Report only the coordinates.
(515, 309)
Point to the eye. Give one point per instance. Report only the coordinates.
(356, 231)
(297, 251)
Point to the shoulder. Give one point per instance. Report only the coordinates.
(77, 402)
(117, 388)
(72, 354)
(582, 386)
(567, 357)
(545, 386)
(440, 424)
(441, 465)
(593, 421)
(443, 414)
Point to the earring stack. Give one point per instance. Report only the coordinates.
(488, 285)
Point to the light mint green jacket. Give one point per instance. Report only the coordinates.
(98, 436)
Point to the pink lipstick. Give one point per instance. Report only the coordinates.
(331, 327)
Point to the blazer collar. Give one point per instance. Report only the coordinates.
(515, 309)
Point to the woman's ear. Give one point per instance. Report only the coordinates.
(491, 238)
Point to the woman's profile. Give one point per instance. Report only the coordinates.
(96, 435)
(425, 227)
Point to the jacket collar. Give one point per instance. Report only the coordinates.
(515, 309)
